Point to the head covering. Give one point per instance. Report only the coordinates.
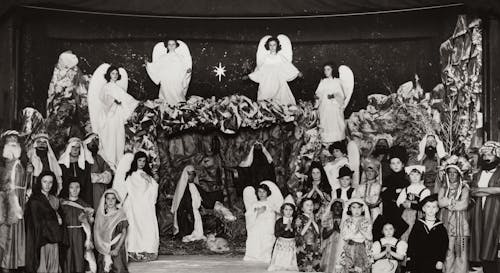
(419, 168)
(9, 133)
(371, 163)
(461, 165)
(104, 226)
(345, 171)
(440, 151)
(249, 159)
(197, 233)
(400, 226)
(387, 137)
(88, 154)
(65, 157)
(37, 162)
(289, 200)
(490, 147)
(428, 199)
(398, 152)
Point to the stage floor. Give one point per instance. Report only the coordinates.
(198, 264)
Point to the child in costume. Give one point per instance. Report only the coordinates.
(331, 236)
(428, 241)
(389, 251)
(345, 178)
(307, 238)
(284, 256)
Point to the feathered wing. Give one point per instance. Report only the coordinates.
(120, 174)
(96, 107)
(276, 197)
(249, 197)
(262, 52)
(354, 157)
(158, 50)
(123, 82)
(183, 50)
(128, 103)
(347, 81)
(152, 68)
(286, 47)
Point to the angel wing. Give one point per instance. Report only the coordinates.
(158, 50)
(276, 197)
(249, 197)
(347, 81)
(262, 52)
(183, 50)
(123, 82)
(94, 103)
(354, 157)
(121, 171)
(286, 47)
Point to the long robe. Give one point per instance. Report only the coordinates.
(139, 205)
(308, 246)
(42, 229)
(485, 223)
(260, 232)
(185, 216)
(73, 236)
(100, 174)
(272, 77)
(120, 261)
(394, 184)
(331, 110)
(14, 234)
(74, 173)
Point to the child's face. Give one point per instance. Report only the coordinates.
(396, 165)
(453, 175)
(141, 162)
(308, 207)
(262, 194)
(415, 177)
(316, 174)
(74, 189)
(110, 200)
(287, 211)
(46, 183)
(371, 174)
(337, 208)
(356, 209)
(75, 151)
(337, 153)
(430, 209)
(388, 230)
(345, 181)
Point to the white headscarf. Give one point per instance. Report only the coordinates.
(249, 159)
(439, 147)
(65, 157)
(197, 233)
(37, 162)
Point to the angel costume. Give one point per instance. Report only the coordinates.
(356, 240)
(171, 70)
(109, 108)
(139, 192)
(186, 208)
(260, 226)
(333, 95)
(108, 228)
(273, 71)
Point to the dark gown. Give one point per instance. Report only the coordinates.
(73, 238)
(74, 173)
(185, 217)
(308, 246)
(120, 261)
(42, 228)
(426, 247)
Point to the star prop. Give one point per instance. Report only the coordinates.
(220, 71)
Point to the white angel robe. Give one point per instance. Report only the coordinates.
(331, 110)
(273, 76)
(260, 232)
(139, 205)
(170, 71)
(111, 129)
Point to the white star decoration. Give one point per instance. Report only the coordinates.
(220, 71)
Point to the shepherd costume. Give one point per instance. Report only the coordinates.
(430, 155)
(485, 219)
(185, 207)
(43, 160)
(76, 171)
(100, 172)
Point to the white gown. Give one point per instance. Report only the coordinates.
(272, 77)
(143, 234)
(112, 126)
(260, 232)
(331, 111)
(170, 70)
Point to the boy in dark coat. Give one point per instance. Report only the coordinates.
(428, 241)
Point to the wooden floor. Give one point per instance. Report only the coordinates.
(198, 264)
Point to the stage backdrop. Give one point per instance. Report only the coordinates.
(384, 51)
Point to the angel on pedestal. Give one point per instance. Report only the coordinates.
(274, 69)
(109, 108)
(171, 69)
(332, 96)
